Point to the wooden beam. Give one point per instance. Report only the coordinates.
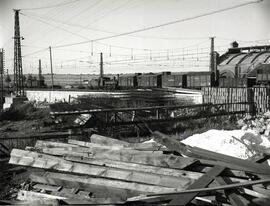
(135, 167)
(94, 145)
(50, 144)
(34, 159)
(225, 187)
(31, 196)
(147, 158)
(102, 140)
(83, 158)
(220, 159)
(167, 196)
(36, 196)
(202, 182)
(233, 197)
(81, 146)
(71, 193)
(100, 187)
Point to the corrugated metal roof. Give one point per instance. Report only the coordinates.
(246, 62)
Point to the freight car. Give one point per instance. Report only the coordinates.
(236, 82)
(110, 84)
(197, 80)
(149, 80)
(127, 81)
(174, 80)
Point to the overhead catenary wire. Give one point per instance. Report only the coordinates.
(113, 32)
(164, 24)
(51, 6)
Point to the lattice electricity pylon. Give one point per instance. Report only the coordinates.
(18, 73)
(2, 66)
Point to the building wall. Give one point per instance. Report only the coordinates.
(56, 96)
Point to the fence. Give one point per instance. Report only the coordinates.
(260, 96)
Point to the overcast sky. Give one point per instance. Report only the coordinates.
(177, 47)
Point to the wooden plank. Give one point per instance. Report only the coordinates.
(70, 193)
(100, 187)
(36, 196)
(167, 196)
(183, 199)
(220, 159)
(136, 167)
(50, 144)
(47, 187)
(149, 158)
(34, 159)
(202, 182)
(93, 201)
(148, 146)
(94, 145)
(246, 165)
(233, 197)
(225, 187)
(31, 196)
(102, 140)
(87, 147)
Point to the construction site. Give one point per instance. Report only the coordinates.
(95, 110)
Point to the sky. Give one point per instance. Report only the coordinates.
(183, 46)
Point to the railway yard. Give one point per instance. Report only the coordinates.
(124, 102)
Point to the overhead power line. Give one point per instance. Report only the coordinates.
(113, 32)
(51, 6)
(164, 24)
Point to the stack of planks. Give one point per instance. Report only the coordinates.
(110, 171)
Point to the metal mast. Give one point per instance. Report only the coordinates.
(2, 65)
(213, 56)
(18, 73)
(101, 71)
(39, 73)
(50, 49)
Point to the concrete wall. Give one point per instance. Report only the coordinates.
(55, 96)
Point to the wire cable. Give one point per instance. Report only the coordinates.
(51, 6)
(164, 24)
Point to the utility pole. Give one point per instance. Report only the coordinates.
(18, 73)
(50, 48)
(2, 78)
(213, 60)
(39, 73)
(101, 70)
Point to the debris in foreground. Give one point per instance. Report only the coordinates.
(164, 171)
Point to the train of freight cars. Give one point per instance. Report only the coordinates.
(192, 80)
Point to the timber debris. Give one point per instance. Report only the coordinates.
(162, 171)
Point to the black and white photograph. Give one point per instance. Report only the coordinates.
(135, 102)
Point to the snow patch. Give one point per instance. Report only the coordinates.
(223, 141)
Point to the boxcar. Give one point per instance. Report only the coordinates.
(149, 80)
(110, 84)
(197, 80)
(173, 80)
(233, 82)
(127, 81)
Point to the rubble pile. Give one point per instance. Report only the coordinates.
(162, 171)
(260, 123)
